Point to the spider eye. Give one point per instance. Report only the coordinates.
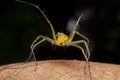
(61, 33)
(65, 45)
(58, 33)
(53, 44)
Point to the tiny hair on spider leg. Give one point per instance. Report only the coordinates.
(60, 39)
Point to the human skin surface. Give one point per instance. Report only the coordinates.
(60, 70)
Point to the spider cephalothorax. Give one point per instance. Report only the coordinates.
(62, 40)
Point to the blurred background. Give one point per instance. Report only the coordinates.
(20, 24)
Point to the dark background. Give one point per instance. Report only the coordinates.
(20, 24)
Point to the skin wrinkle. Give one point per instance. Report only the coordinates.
(64, 74)
(96, 69)
(110, 74)
(57, 70)
(47, 75)
(107, 72)
(67, 73)
(17, 69)
(104, 70)
(60, 70)
(44, 66)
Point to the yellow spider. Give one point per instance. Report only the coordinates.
(60, 39)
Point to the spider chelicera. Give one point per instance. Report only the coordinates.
(60, 39)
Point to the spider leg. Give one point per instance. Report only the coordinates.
(86, 43)
(71, 36)
(87, 53)
(36, 43)
(79, 47)
(37, 7)
(33, 45)
(84, 37)
(75, 44)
